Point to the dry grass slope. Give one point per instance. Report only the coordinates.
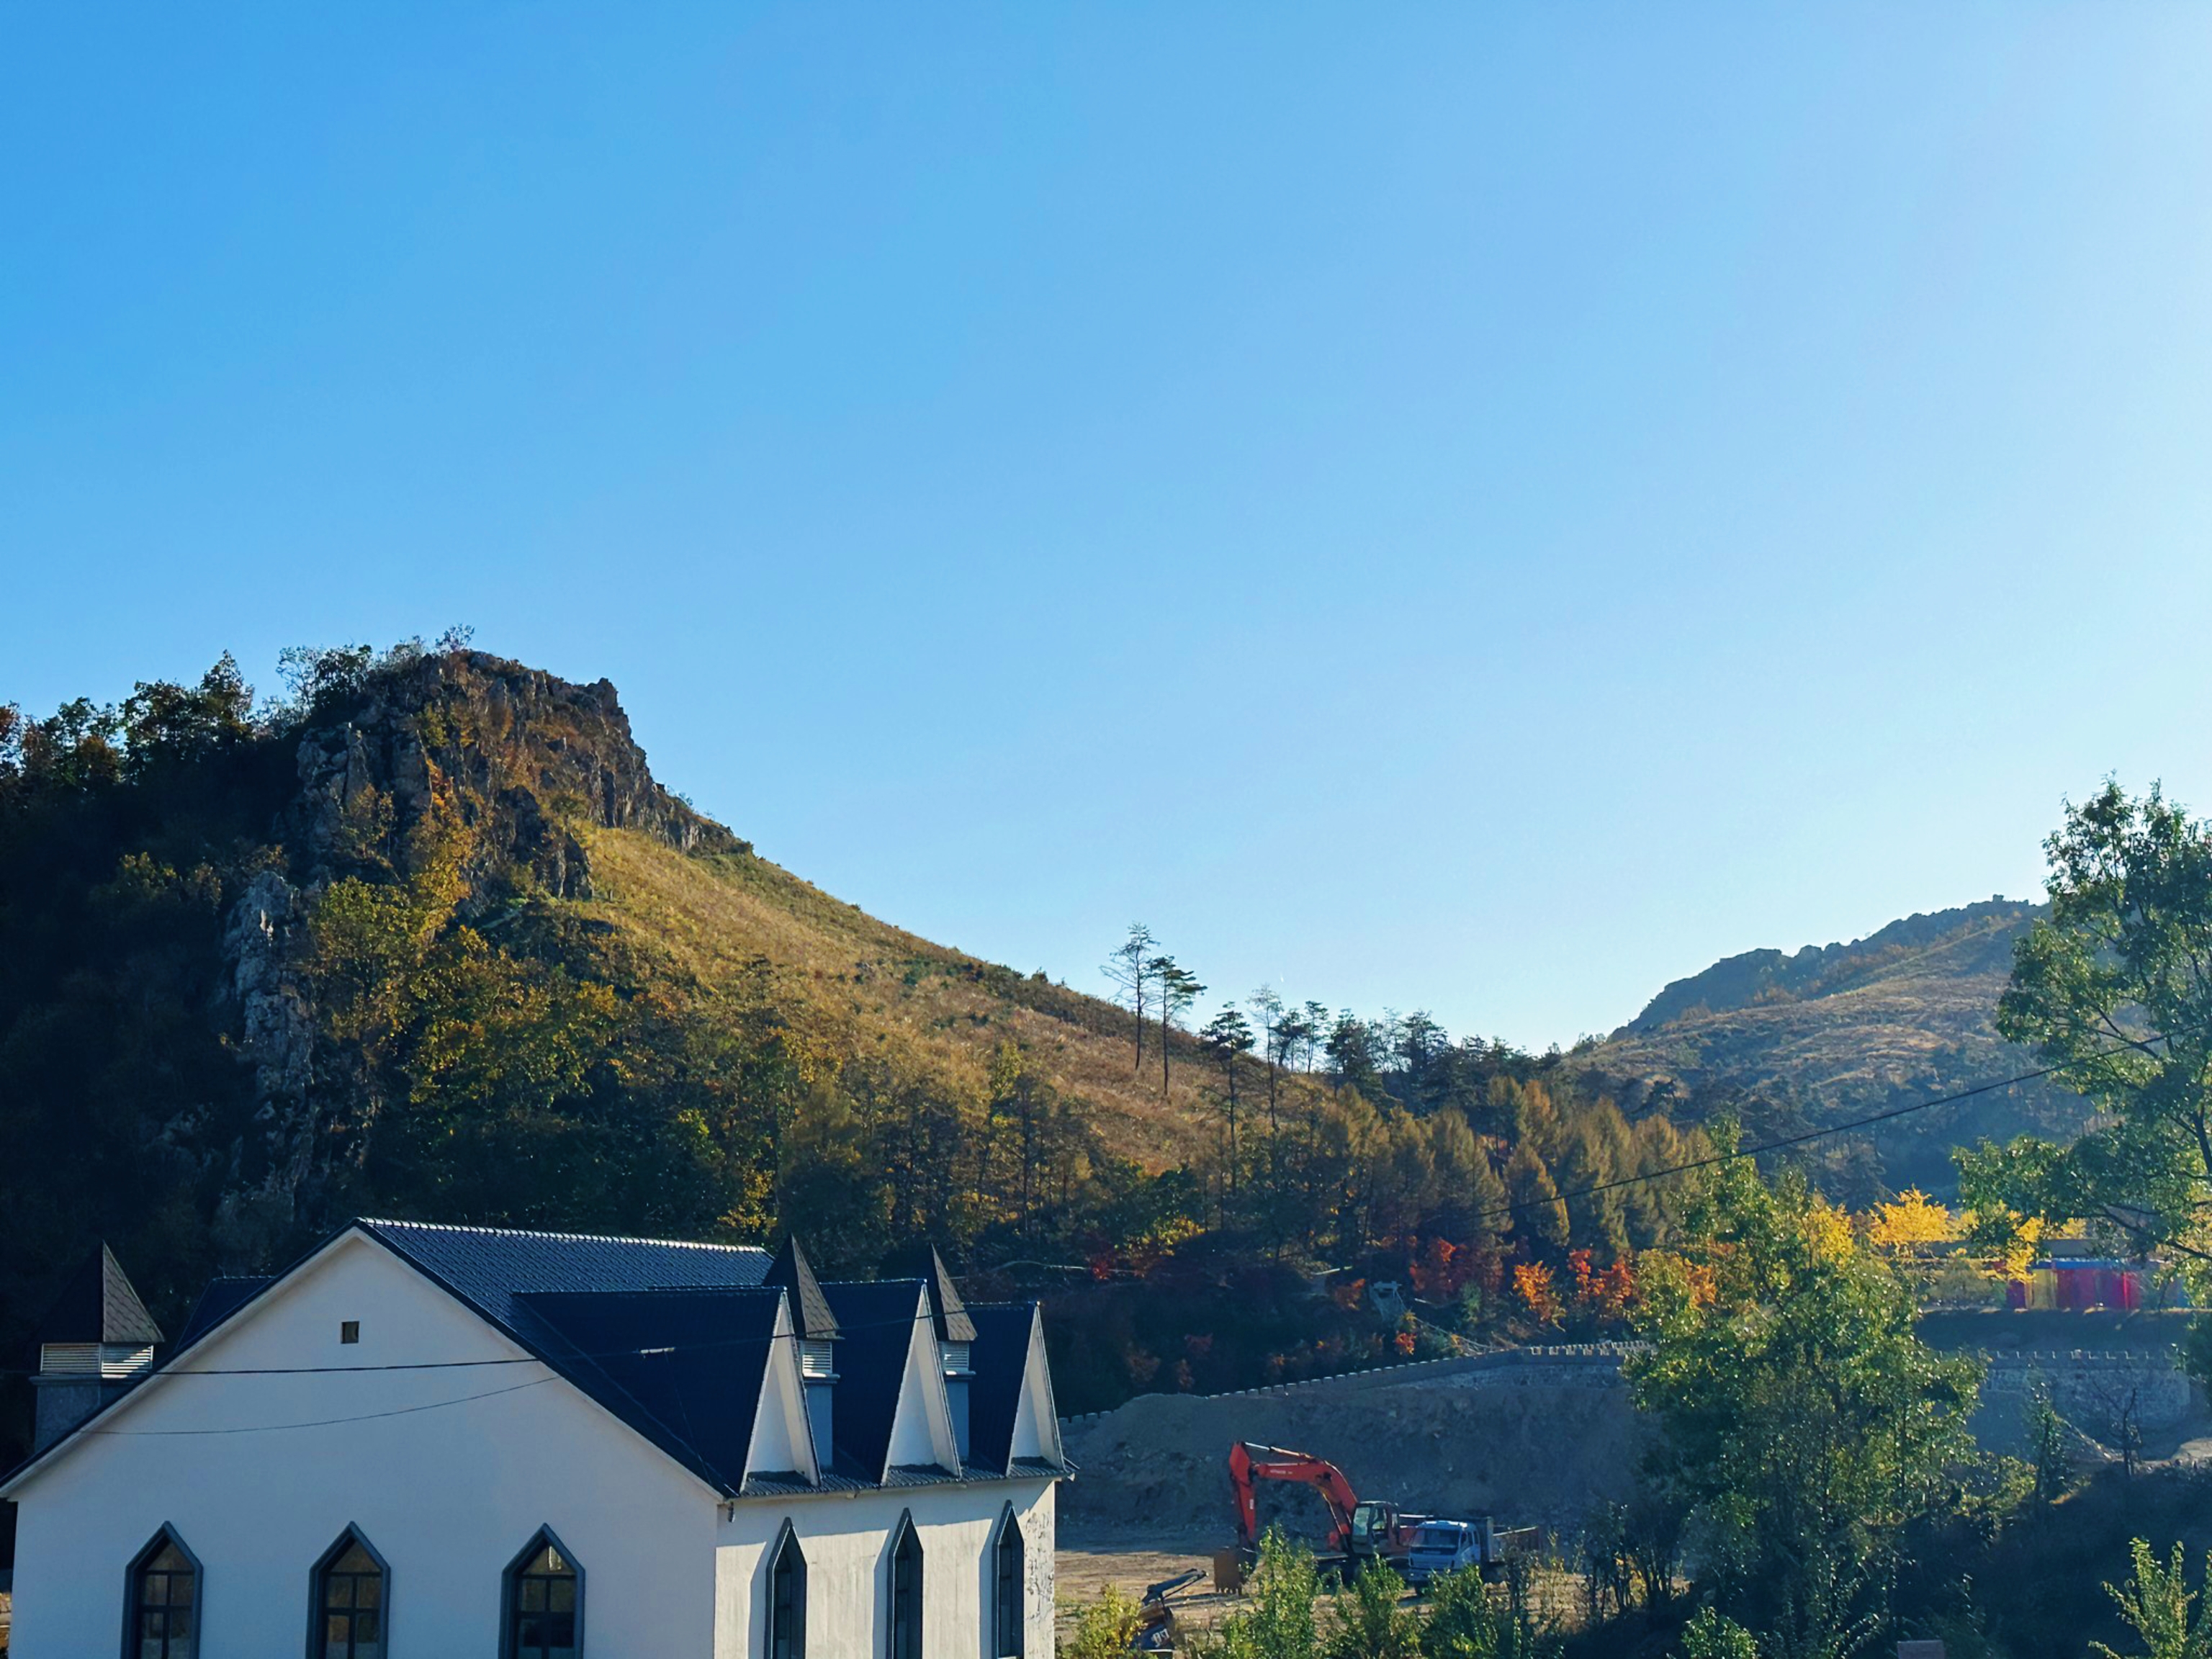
(861, 986)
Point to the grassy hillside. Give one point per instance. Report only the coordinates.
(858, 985)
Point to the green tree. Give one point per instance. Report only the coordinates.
(1467, 1621)
(1715, 1636)
(1372, 1621)
(1105, 1630)
(1803, 1423)
(2114, 989)
(2155, 1604)
(1278, 1620)
(1175, 988)
(1229, 1035)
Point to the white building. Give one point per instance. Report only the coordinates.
(422, 1442)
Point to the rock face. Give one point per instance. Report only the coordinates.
(511, 751)
(509, 758)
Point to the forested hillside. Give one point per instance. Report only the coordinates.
(425, 937)
(1836, 1031)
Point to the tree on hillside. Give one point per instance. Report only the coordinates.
(1174, 988)
(1314, 1021)
(2114, 987)
(1130, 969)
(1275, 1018)
(1535, 1198)
(1803, 1424)
(1230, 1036)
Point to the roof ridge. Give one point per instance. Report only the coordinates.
(663, 1289)
(535, 1232)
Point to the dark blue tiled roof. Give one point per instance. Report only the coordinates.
(875, 1321)
(1001, 1355)
(488, 1267)
(683, 1367)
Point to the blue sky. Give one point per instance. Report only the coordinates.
(1481, 507)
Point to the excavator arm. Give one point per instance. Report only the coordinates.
(1248, 1462)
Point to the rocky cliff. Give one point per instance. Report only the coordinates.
(510, 761)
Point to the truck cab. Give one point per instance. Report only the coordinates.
(1442, 1546)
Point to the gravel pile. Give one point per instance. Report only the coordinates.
(1528, 1444)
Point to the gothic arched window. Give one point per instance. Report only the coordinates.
(545, 1601)
(1009, 1563)
(786, 1598)
(906, 1591)
(164, 1601)
(352, 1599)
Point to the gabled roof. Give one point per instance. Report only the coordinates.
(922, 1262)
(97, 1304)
(810, 1308)
(674, 1339)
(877, 1320)
(1000, 1356)
(683, 1368)
(488, 1267)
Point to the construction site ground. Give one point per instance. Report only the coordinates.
(1532, 1439)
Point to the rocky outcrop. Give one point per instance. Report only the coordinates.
(514, 759)
(514, 752)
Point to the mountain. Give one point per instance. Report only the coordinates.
(429, 940)
(1839, 1031)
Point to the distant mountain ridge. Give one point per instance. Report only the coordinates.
(1811, 1038)
(1970, 941)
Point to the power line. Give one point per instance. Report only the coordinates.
(653, 1352)
(1799, 1139)
(320, 1423)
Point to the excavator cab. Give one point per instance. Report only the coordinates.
(1373, 1530)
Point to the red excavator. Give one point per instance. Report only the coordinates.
(1357, 1530)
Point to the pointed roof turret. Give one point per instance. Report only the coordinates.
(97, 1304)
(922, 1262)
(810, 1308)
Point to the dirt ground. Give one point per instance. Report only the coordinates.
(1085, 1568)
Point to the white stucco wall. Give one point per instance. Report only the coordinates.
(449, 1496)
(847, 1541)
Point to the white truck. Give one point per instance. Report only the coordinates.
(1441, 1547)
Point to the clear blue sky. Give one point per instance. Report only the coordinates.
(1481, 507)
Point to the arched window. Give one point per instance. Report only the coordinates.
(906, 1591)
(786, 1598)
(164, 1596)
(543, 1600)
(353, 1596)
(1008, 1622)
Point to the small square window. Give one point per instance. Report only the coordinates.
(349, 1330)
